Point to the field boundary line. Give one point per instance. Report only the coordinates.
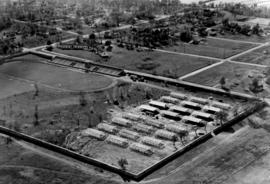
(202, 70)
(232, 40)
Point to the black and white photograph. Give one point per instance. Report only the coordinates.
(135, 91)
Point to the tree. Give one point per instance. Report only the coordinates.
(222, 116)
(222, 81)
(174, 140)
(186, 36)
(36, 116)
(82, 99)
(122, 163)
(255, 87)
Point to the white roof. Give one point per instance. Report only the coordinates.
(93, 132)
(119, 119)
(199, 100)
(190, 103)
(178, 95)
(139, 146)
(169, 113)
(201, 114)
(116, 138)
(210, 108)
(221, 105)
(105, 126)
(148, 108)
(158, 103)
(168, 98)
(151, 140)
(175, 128)
(125, 131)
(179, 108)
(193, 119)
(131, 116)
(164, 133)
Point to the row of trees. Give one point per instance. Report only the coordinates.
(242, 29)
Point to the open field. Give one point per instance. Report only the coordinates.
(211, 48)
(259, 56)
(27, 68)
(238, 76)
(157, 63)
(18, 164)
(239, 157)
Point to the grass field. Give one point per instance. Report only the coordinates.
(258, 56)
(23, 166)
(231, 158)
(212, 48)
(27, 68)
(238, 76)
(157, 63)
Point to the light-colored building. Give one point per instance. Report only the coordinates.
(107, 128)
(176, 129)
(221, 105)
(168, 99)
(210, 109)
(148, 109)
(181, 110)
(154, 123)
(165, 134)
(117, 141)
(191, 105)
(199, 100)
(146, 150)
(158, 104)
(129, 134)
(203, 115)
(153, 142)
(121, 122)
(94, 133)
(131, 116)
(143, 128)
(192, 120)
(170, 115)
(178, 95)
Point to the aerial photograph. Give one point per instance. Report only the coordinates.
(134, 91)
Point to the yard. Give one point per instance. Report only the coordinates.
(153, 62)
(212, 48)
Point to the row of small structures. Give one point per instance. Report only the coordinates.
(141, 132)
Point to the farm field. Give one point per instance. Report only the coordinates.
(22, 165)
(157, 63)
(212, 48)
(238, 76)
(259, 56)
(26, 68)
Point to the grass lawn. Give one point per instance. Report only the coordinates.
(27, 68)
(24, 166)
(238, 76)
(259, 56)
(212, 48)
(153, 62)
